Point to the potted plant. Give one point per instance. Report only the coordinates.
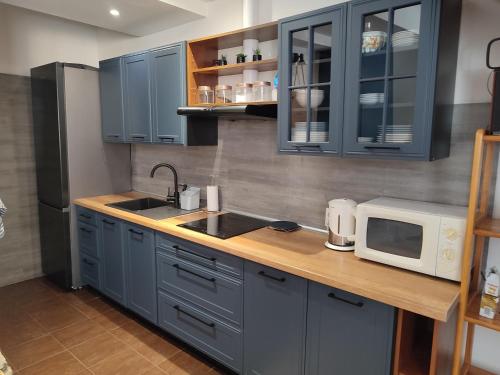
(223, 59)
(257, 55)
(240, 58)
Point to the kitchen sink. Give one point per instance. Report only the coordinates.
(152, 208)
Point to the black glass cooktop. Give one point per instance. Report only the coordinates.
(226, 225)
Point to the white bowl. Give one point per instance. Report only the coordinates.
(317, 97)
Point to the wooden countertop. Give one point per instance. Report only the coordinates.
(302, 253)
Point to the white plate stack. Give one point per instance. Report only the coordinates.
(396, 134)
(372, 98)
(365, 139)
(319, 132)
(406, 39)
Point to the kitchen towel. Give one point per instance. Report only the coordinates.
(3, 210)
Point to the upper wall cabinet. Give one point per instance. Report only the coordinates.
(399, 80)
(137, 98)
(168, 92)
(312, 85)
(110, 77)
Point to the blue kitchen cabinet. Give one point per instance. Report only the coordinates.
(113, 258)
(136, 98)
(110, 82)
(275, 305)
(140, 272)
(347, 334)
(168, 92)
(311, 81)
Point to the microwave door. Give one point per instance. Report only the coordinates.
(399, 240)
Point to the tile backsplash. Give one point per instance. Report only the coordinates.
(254, 178)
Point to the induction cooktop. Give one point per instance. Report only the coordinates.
(226, 225)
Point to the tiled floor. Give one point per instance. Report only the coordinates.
(44, 330)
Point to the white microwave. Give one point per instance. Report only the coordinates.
(418, 236)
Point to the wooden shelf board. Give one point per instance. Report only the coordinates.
(231, 69)
(491, 138)
(472, 315)
(265, 32)
(488, 227)
(476, 371)
(233, 104)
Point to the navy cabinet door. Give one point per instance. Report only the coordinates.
(312, 81)
(137, 98)
(389, 73)
(110, 80)
(168, 92)
(274, 321)
(347, 334)
(140, 271)
(112, 262)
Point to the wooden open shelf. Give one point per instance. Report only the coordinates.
(231, 69)
(233, 104)
(488, 227)
(472, 315)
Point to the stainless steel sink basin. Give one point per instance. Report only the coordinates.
(152, 208)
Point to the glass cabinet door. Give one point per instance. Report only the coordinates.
(387, 77)
(311, 82)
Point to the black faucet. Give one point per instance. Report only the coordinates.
(170, 198)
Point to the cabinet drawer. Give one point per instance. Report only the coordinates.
(85, 215)
(89, 269)
(200, 255)
(213, 291)
(88, 239)
(200, 330)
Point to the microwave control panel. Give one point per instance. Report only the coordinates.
(451, 246)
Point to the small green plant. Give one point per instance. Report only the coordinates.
(241, 55)
(223, 57)
(257, 52)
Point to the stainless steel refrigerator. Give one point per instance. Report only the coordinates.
(72, 161)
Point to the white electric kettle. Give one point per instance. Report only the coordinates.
(340, 219)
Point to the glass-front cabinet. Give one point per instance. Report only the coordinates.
(311, 81)
(388, 51)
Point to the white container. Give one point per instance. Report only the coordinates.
(317, 97)
(243, 93)
(212, 198)
(190, 198)
(262, 91)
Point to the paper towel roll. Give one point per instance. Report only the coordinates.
(212, 198)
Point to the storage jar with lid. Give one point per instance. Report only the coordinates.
(223, 94)
(205, 95)
(262, 91)
(243, 92)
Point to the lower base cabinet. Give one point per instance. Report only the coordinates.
(347, 334)
(275, 305)
(201, 330)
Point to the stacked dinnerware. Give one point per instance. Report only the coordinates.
(365, 139)
(396, 134)
(319, 132)
(372, 98)
(405, 39)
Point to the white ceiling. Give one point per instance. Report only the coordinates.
(137, 17)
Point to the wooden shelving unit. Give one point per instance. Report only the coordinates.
(203, 51)
(480, 226)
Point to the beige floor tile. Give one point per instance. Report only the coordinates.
(58, 317)
(61, 364)
(93, 308)
(95, 350)
(112, 319)
(126, 362)
(26, 354)
(183, 363)
(156, 348)
(79, 332)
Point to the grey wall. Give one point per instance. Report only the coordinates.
(20, 248)
(254, 178)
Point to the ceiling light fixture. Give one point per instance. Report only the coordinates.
(114, 12)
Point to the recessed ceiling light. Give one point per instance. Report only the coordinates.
(114, 12)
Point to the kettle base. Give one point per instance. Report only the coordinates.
(338, 247)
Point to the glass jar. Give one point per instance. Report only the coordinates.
(205, 95)
(223, 94)
(243, 93)
(262, 91)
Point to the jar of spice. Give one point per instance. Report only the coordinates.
(223, 94)
(262, 91)
(243, 93)
(205, 95)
